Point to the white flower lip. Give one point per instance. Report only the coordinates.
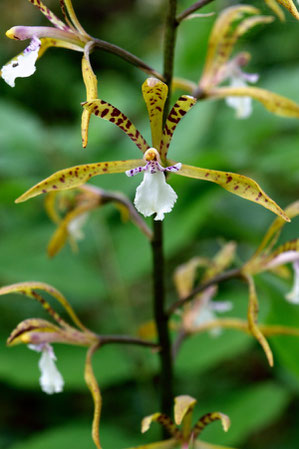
(293, 295)
(51, 381)
(23, 65)
(154, 195)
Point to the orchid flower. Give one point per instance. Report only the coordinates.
(154, 195)
(68, 35)
(232, 23)
(185, 436)
(288, 4)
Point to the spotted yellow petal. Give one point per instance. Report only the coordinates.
(237, 184)
(91, 85)
(48, 42)
(93, 386)
(252, 315)
(275, 103)
(290, 6)
(108, 112)
(208, 419)
(183, 105)
(162, 419)
(155, 94)
(50, 16)
(220, 45)
(72, 177)
(29, 289)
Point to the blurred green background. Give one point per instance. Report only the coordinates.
(108, 280)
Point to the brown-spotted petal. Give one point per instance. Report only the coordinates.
(50, 15)
(181, 107)
(162, 419)
(93, 386)
(220, 44)
(155, 94)
(91, 85)
(29, 289)
(72, 177)
(237, 184)
(208, 419)
(290, 6)
(275, 103)
(252, 314)
(108, 112)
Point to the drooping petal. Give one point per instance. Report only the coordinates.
(108, 112)
(275, 103)
(91, 85)
(252, 314)
(154, 196)
(183, 105)
(162, 419)
(293, 295)
(208, 419)
(290, 6)
(50, 16)
(29, 289)
(23, 65)
(155, 94)
(237, 184)
(72, 177)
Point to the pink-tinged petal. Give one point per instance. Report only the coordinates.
(155, 94)
(273, 102)
(72, 177)
(27, 328)
(50, 16)
(22, 33)
(181, 107)
(237, 184)
(108, 112)
(208, 419)
(252, 315)
(285, 253)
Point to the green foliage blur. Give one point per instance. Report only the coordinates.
(107, 281)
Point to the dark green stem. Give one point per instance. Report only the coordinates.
(160, 313)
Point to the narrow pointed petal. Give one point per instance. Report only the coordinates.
(272, 4)
(91, 85)
(208, 419)
(275, 103)
(72, 177)
(253, 308)
(93, 386)
(50, 16)
(184, 275)
(220, 45)
(290, 6)
(273, 232)
(237, 184)
(181, 107)
(29, 289)
(108, 112)
(155, 94)
(73, 17)
(162, 419)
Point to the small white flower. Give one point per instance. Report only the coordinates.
(238, 78)
(154, 195)
(51, 381)
(293, 295)
(23, 65)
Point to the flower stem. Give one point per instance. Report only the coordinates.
(160, 313)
